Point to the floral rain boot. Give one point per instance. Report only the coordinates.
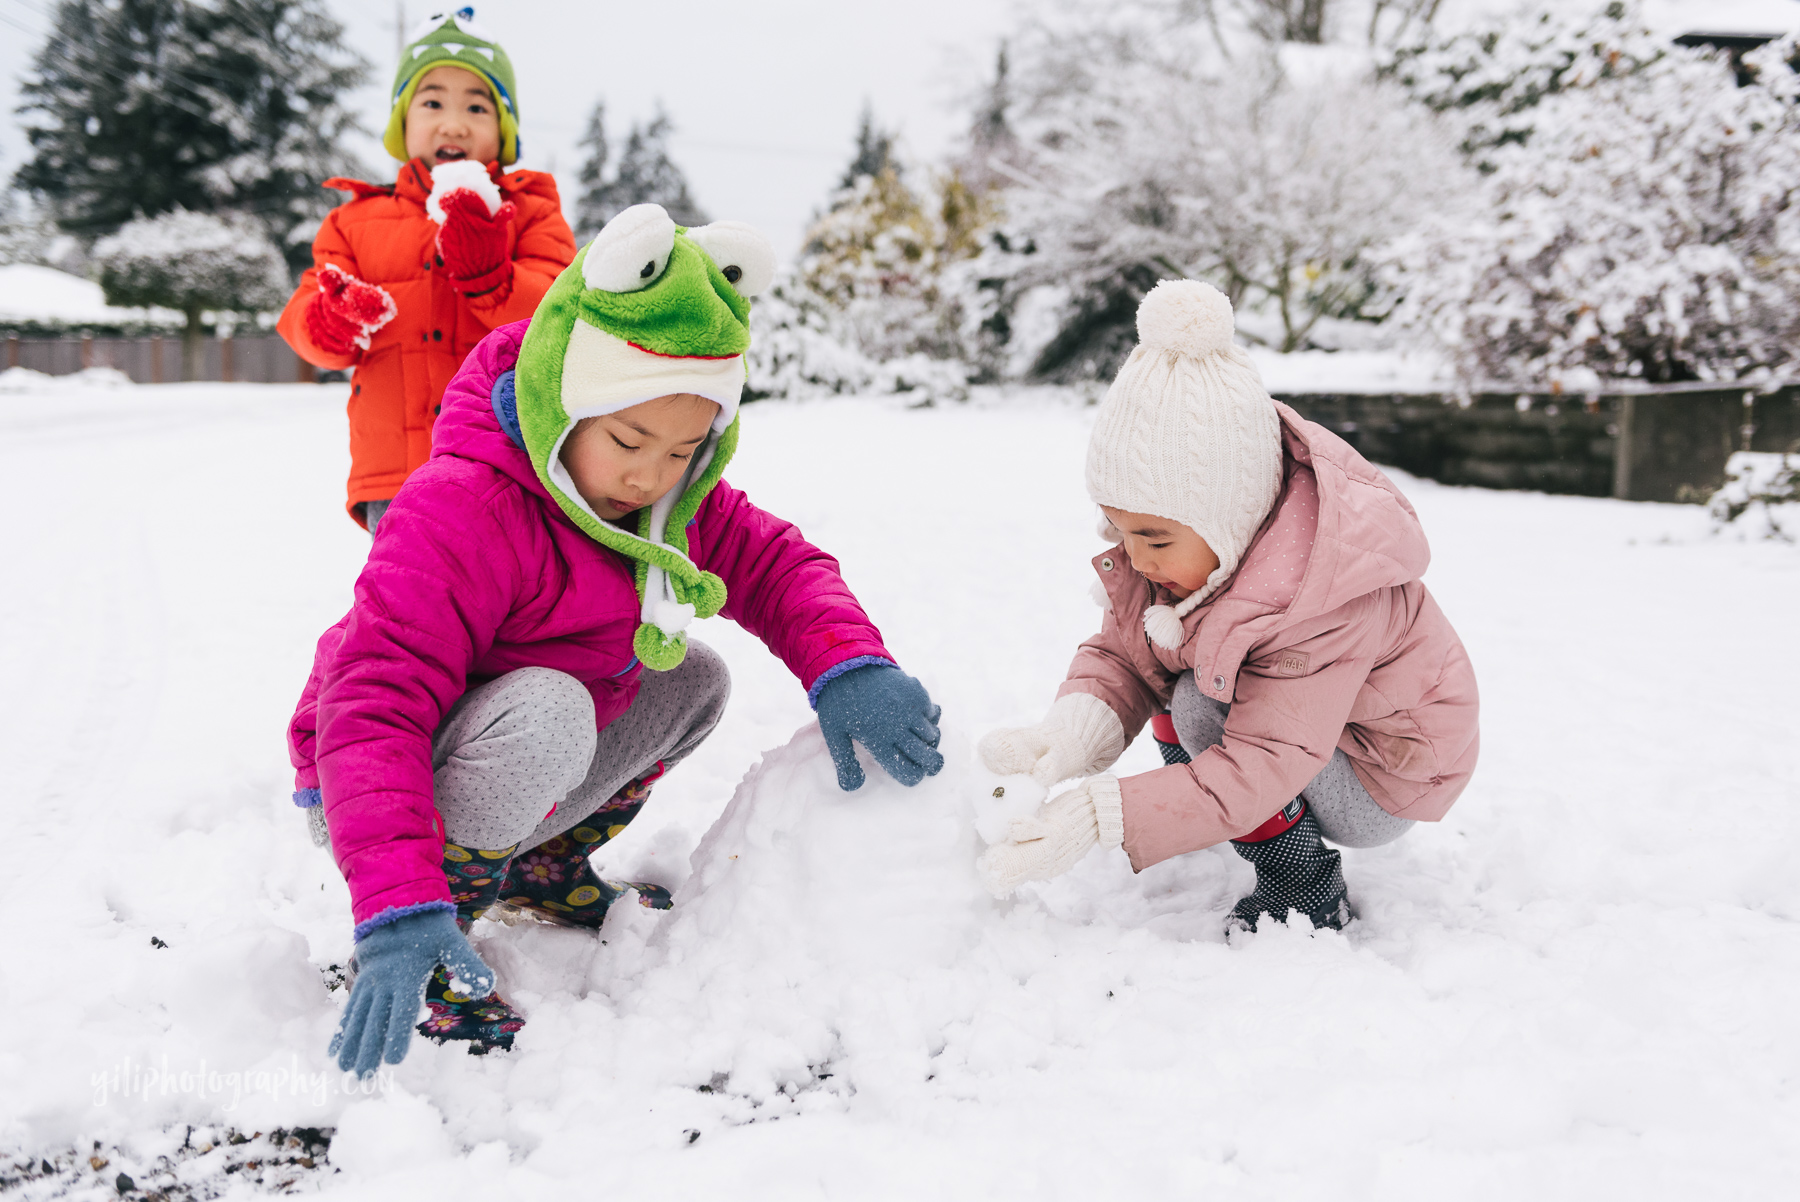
(1294, 871)
(553, 882)
(475, 878)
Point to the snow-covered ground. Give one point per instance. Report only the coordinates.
(1579, 985)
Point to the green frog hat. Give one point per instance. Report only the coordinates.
(647, 309)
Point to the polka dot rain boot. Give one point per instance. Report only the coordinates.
(1162, 727)
(555, 883)
(475, 877)
(1294, 871)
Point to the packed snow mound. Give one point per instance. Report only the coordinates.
(821, 932)
(19, 381)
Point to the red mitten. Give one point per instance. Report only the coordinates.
(346, 311)
(474, 246)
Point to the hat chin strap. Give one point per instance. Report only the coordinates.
(662, 609)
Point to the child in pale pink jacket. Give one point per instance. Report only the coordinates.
(1265, 592)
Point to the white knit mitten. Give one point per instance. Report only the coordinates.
(1050, 842)
(1078, 737)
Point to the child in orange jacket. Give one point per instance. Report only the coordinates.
(407, 278)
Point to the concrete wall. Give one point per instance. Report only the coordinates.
(1653, 445)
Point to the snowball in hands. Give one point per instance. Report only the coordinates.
(1003, 799)
(1050, 842)
(1079, 737)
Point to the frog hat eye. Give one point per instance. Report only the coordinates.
(631, 252)
(744, 256)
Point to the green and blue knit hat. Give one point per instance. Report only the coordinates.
(453, 39)
(647, 309)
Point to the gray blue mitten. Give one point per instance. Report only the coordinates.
(886, 711)
(393, 962)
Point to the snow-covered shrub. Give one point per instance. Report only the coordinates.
(799, 348)
(879, 256)
(192, 262)
(1761, 497)
(1638, 215)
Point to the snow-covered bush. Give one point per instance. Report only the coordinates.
(799, 349)
(1761, 497)
(1638, 209)
(880, 256)
(192, 262)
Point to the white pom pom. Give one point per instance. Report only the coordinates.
(1100, 596)
(671, 617)
(448, 177)
(1163, 627)
(1185, 317)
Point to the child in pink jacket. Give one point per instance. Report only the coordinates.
(514, 674)
(1264, 591)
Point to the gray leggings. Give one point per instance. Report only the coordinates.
(372, 511)
(517, 760)
(1346, 814)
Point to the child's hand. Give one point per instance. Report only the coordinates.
(1079, 737)
(347, 311)
(1050, 842)
(393, 962)
(886, 711)
(474, 244)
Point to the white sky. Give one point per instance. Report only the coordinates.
(764, 94)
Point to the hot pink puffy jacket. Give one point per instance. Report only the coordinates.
(1324, 637)
(476, 572)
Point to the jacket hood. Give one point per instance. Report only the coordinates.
(1369, 536)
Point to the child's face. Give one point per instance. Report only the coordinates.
(451, 118)
(1166, 552)
(626, 460)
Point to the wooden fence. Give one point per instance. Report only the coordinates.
(264, 359)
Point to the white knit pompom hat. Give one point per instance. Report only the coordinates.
(1187, 432)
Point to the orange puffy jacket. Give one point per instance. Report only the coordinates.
(383, 235)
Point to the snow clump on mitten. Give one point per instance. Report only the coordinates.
(453, 177)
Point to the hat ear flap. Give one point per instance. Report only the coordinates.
(631, 251)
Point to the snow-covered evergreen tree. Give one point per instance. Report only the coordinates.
(878, 254)
(1638, 213)
(591, 211)
(192, 262)
(646, 174)
(139, 107)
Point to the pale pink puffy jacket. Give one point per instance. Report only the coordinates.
(1316, 645)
